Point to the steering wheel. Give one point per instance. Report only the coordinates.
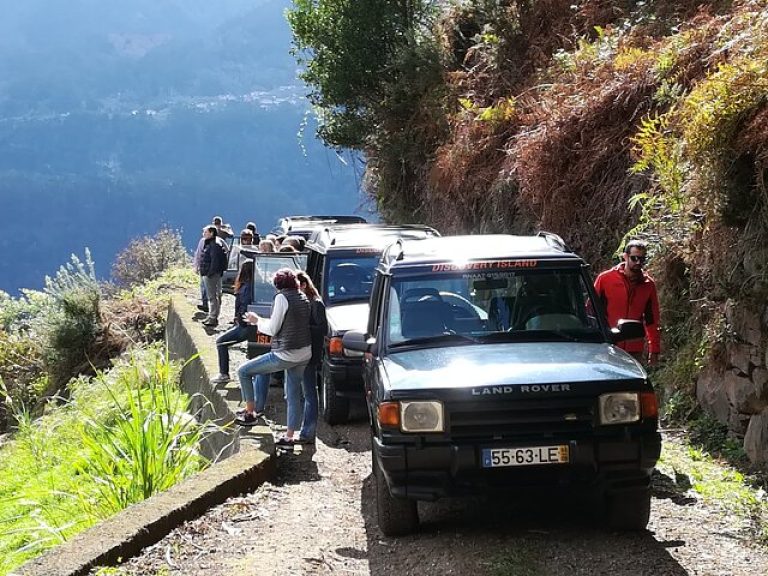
(420, 294)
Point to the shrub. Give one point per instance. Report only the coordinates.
(69, 328)
(21, 373)
(147, 257)
(143, 441)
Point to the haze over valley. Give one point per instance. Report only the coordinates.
(117, 118)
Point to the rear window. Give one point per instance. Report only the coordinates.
(265, 266)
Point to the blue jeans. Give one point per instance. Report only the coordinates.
(254, 383)
(203, 294)
(232, 336)
(309, 388)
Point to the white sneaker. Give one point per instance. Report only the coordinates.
(221, 379)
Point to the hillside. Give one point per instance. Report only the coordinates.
(598, 120)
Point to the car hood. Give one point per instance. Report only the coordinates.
(509, 364)
(343, 317)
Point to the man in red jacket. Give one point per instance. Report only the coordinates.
(628, 292)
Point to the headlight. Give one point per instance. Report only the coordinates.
(421, 416)
(619, 408)
(352, 353)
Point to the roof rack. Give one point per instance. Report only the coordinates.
(554, 240)
(400, 251)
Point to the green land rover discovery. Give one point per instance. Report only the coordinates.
(489, 365)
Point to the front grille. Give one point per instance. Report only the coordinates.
(519, 418)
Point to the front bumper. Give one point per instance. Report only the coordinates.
(427, 472)
(347, 375)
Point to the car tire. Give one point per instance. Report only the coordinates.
(397, 516)
(629, 510)
(335, 409)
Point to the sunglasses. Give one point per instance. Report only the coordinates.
(640, 259)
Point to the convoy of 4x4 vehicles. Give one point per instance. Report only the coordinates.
(486, 364)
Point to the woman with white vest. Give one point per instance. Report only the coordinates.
(291, 351)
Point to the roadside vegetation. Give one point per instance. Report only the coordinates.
(121, 437)
(693, 470)
(597, 120)
(91, 415)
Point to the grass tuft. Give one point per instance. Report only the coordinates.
(121, 437)
(718, 483)
(517, 563)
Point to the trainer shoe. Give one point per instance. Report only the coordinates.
(221, 379)
(285, 441)
(243, 411)
(247, 419)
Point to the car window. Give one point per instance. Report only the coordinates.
(349, 277)
(265, 266)
(535, 304)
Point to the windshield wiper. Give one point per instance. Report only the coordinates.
(437, 339)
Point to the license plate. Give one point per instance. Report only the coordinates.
(534, 456)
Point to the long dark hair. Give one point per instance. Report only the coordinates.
(245, 274)
(310, 291)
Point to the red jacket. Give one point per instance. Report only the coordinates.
(623, 299)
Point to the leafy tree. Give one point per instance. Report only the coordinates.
(375, 72)
(351, 51)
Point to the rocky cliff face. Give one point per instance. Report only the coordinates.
(733, 387)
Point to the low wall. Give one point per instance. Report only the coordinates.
(188, 343)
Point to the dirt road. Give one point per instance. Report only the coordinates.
(319, 518)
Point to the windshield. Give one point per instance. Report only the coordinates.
(503, 305)
(349, 277)
(265, 266)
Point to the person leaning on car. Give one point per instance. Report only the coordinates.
(628, 292)
(213, 262)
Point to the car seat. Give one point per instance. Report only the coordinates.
(539, 296)
(424, 318)
(348, 279)
(500, 313)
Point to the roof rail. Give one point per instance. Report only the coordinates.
(401, 252)
(553, 240)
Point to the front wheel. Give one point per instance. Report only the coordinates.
(629, 510)
(335, 409)
(397, 516)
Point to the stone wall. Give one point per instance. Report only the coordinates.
(735, 389)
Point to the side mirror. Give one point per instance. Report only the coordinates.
(628, 330)
(357, 341)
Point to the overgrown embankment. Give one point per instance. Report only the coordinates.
(596, 120)
(89, 400)
(119, 439)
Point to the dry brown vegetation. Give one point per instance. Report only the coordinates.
(600, 120)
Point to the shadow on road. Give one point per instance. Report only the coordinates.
(354, 436)
(534, 537)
